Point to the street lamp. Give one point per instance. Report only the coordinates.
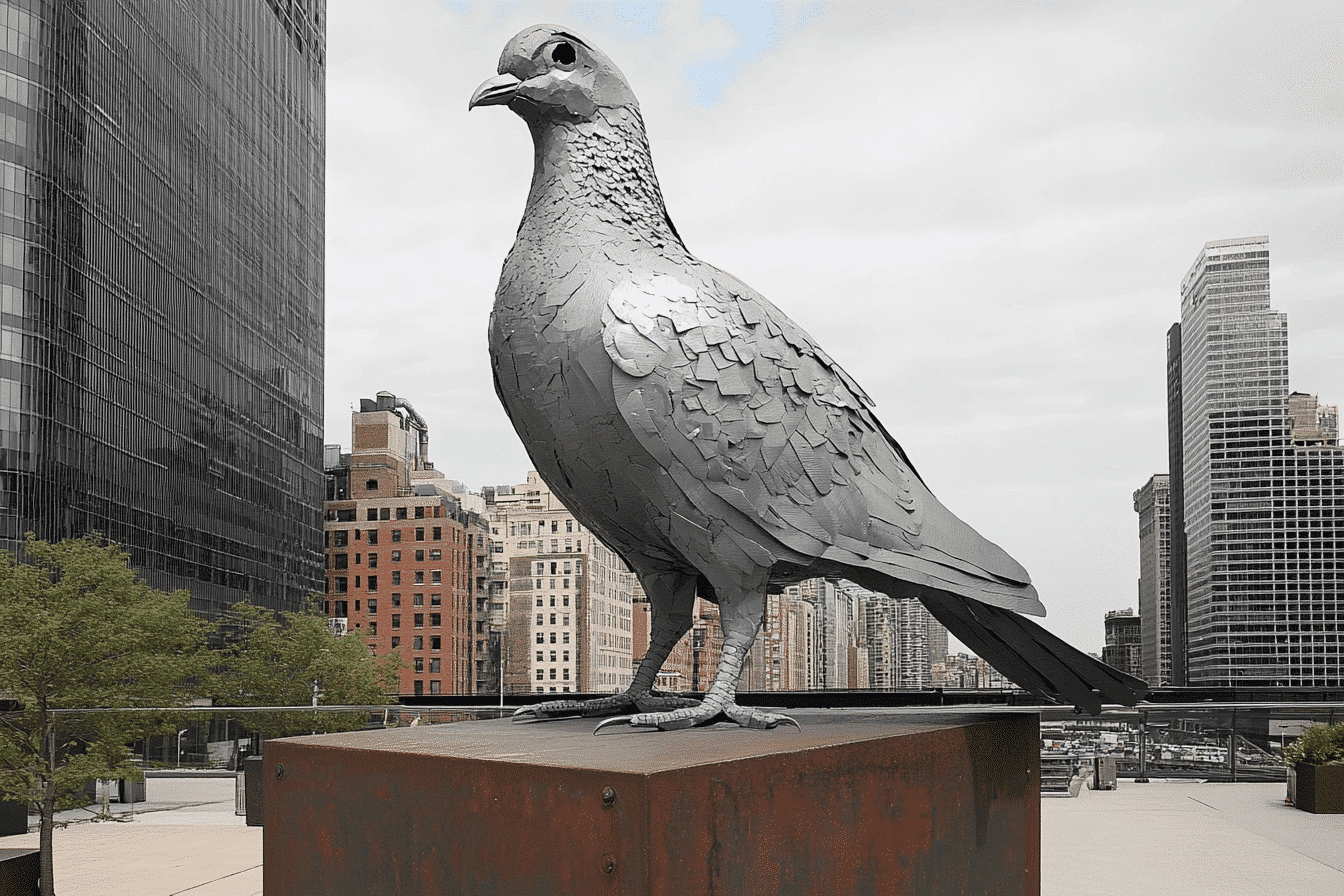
(179, 745)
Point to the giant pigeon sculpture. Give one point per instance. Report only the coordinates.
(698, 431)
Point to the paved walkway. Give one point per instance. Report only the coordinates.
(1188, 839)
(1172, 838)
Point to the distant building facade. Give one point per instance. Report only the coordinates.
(1123, 648)
(568, 599)
(778, 659)
(404, 558)
(1257, 489)
(1152, 503)
(161, 282)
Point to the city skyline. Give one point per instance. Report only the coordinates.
(1010, 220)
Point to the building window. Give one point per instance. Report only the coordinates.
(434, 642)
(541, 657)
(436, 554)
(566, 619)
(396, 620)
(438, 533)
(396, 599)
(340, 538)
(566, 640)
(552, 619)
(553, 638)
(435, 600)
(418, 643)
(434, 666)
(419, 513)
(566, 656)
(552, 600)
(435, 620)
(540, 620)
(419, 620)
(569, 526)
(541, 638)
(419, 577)
(370, 484)
(401, 513)
(373, 606)
(373, 536)
(539, 601)
(373, 627)
(373, 561)
(419, 689)
(540, 676)
(373, 583)
(418, 600)
(419, 666)
(566, 675)
(372, 515)
(396, 577)
(566, 600)
(342, 585)
(396, 556)
(396, 642)
(552, 656)
(419, 556)
(340, 561)
(552, 674)
(434, 687)
(436, 577)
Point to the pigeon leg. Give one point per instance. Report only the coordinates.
(740, 615)
(672, 596)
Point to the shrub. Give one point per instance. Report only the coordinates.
(1318, 745)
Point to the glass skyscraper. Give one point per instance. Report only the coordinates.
(161, 283)
(1261, 506)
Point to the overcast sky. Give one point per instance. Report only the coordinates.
(982, 211)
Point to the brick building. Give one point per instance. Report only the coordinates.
(405, 556)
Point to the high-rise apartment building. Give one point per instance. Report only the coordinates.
(778, 658)
(1123, 648)
(901, 638)
(161, 283)
(1152, 503)
(692, 663)
(405, 556)
(1258, 493)
(568, 599)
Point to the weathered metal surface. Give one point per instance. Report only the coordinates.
(879, 802)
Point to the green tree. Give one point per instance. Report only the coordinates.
(78, 630)
(294, 659)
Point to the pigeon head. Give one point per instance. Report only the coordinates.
(547, 73)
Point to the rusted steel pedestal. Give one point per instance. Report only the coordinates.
(858, 802)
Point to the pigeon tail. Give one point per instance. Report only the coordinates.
(1035, 659)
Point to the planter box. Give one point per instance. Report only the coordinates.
(1319, 789)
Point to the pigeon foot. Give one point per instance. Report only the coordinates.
(703, 714)
(650, 702)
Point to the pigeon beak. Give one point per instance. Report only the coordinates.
(497, 91)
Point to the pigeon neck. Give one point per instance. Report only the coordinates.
(593, 178)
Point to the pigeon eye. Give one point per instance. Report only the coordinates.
(563, 54)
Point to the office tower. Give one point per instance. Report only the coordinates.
(567, 597)
(1153, 505)
(833, 623)
(161, 282)
(405, 555)
(1123, 648)
(1260, 507)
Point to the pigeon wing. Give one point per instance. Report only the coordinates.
(775, 448)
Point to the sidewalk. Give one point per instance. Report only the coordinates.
(184, 839)
(1167, 837)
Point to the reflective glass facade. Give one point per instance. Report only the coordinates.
(161, 286)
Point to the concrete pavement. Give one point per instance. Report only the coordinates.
(1173, 838)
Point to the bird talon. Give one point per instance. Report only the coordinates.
(522, 712)
(614, 720)
(789, 720)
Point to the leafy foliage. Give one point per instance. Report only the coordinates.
(78, 630)
(1318, 745)
(285, 660)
